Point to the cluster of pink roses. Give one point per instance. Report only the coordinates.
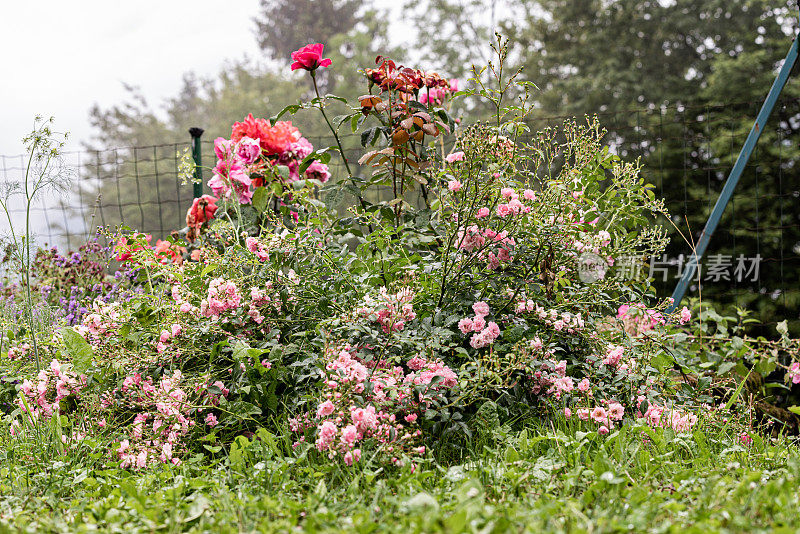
(223, 295)
(260, 297)
(663, 417)
(493, 247)
(257, 247)
(167, 335)
(162, 420)
(615, 358)
(390, 310)
(637, 319)
(550, 376)
(484, 333)
(246, 160)
(513, 206)
(605, 416)
(560, 321)
(378, 405)
(437, 95)
(52, 385)
(103, 322)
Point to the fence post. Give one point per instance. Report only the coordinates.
(197, 156)
(736, 173)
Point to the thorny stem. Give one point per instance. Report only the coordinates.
(321, 108)
(325, 116)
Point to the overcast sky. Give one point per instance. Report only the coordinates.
(60, 57)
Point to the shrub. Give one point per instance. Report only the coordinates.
(386, 330)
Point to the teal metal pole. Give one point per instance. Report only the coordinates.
(197, 156)
(736, 173)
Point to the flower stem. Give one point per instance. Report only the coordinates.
(336, 136)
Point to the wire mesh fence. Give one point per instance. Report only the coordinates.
(686, 154)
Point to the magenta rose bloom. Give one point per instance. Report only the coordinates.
(309, 58)
(248, 150)
(318, 171)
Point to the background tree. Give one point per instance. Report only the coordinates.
(132, 158)
(677, 83)
(283, 26)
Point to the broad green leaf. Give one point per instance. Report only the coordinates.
(260, 199)
(78, 350)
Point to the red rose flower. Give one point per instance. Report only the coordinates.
(280, 137)
(124, 251)
(273, 140)
(250, 127)
(309, 58)
(202, 211)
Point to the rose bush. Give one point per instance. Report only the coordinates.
(387, 329)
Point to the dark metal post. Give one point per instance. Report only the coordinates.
(197, 156)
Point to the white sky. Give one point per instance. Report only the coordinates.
(60, 57)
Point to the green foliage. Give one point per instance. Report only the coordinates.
(679, 84)
(426, 358)
(538, 479)
(77, 350)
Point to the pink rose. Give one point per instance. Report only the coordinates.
(309, 58)
(465, 325)
(599, 414)
(325, 409)
(349, 434)
(481, 308)
(222, 147)
(508, 193)
(454, 186)
(583, 385)
(211, 420)
(248, 150)
(455, 156)
(318, 171)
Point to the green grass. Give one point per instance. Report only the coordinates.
(535, 480)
